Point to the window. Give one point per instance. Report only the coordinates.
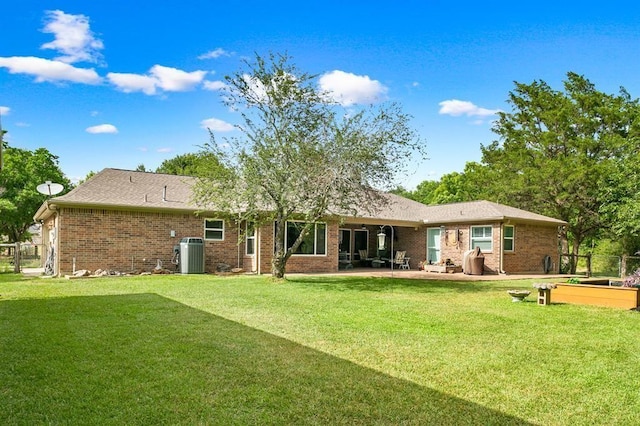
(508, 239)
(251, 238)
(481, 236)
(214, 229)
(315, 243)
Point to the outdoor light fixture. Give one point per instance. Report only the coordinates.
(381, 239)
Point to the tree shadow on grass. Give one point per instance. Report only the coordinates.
(145, 359)
(380, 284)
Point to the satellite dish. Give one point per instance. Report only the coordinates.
(49, 188)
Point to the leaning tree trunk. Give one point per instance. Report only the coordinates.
(278, 264)
(279, 261)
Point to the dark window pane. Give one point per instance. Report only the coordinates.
(321, 238)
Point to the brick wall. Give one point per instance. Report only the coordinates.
(125, 241)
(532, 244)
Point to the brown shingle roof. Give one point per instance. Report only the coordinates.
(131, 190)
(475, 211)
(124, 188)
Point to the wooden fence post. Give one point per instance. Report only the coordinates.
(16, 259)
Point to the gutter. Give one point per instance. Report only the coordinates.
(45, 210)
(128, 207)
(491, 219)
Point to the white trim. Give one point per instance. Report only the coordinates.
(248, 237)
(512, 238)
(213, 229)
(439, 247)
(481, 239)
(350, 249)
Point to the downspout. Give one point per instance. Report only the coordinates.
(239, 233)
(258, 252)
(502, 271)
(56, 246)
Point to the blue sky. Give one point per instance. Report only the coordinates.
(117, 84)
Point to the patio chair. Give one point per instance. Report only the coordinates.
(343, 261)
(399, 259)
(364, 257)
(405, 265)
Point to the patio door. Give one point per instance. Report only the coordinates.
(433, 245)
(360, 241)
(345, 242)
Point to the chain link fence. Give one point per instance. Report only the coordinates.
(595, 265)
(15, 256)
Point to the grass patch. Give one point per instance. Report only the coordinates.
(312, 350)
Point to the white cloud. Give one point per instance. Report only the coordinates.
(73, 38)
(102, 128)
(164, 150)
(215, 85)
(159, 77)
(175, 80)
(214, 54)
(133, 82)
(350, 89)
(216, 125)
(47, 70)
(4, 110)
(457, 108)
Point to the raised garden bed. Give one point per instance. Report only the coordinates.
(597, 295)
(442, 268)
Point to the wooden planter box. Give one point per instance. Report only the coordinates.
(442, 268)
(598, 295)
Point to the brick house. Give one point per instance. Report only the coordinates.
(125, 220)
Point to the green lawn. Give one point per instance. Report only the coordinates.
(310, 350)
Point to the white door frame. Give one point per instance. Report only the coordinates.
(436, 249)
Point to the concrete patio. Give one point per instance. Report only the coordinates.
(421, 275)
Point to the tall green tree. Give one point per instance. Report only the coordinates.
(458, 187)
(558, 149)
(190, 164)
(424, 191)
(622, 205)
(23, 171)
(454, 187)
(301, 156)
